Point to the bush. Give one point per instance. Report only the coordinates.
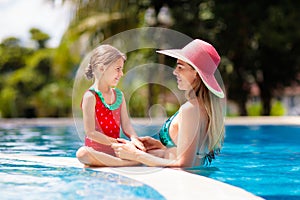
(277, 109)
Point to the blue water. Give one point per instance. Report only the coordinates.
(21, 179)
(264, 160)
(29, 180)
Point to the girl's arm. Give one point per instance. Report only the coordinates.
(125, 121)
(187, 144)
(88, 110)
(127, 126)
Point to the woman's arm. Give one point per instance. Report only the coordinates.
(190, 120)
(88, 110)
(187, 143)
(151, 143)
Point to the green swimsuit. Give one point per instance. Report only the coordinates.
(164, 135)
(166, 140)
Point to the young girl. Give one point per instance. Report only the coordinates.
(104, 107)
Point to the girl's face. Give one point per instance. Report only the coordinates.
(185, 75)
(113, 73)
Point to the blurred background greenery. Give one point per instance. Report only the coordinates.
(259, 42)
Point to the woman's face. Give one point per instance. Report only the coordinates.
(113, 73)
(185, 75)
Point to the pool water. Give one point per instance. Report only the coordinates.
(33, 181)
(264, 160)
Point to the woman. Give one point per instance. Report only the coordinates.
(195, 133)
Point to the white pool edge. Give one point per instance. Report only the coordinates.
(173, 184)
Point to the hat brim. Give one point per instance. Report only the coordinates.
(208, 79)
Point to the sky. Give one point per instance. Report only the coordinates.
(17, 17)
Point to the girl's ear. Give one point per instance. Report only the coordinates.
(101, 68)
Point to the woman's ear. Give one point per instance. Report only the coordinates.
(196, 74)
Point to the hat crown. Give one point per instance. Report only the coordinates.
(203, 55)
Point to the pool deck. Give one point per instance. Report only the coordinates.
(171, 183)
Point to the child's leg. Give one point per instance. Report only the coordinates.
(89, 156)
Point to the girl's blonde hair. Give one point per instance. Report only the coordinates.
(104, 56)
(214, 110)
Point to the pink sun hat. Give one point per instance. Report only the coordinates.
(204, 58)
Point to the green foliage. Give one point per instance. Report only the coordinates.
(8, 106)
(171, 108)
(277, 109)
(254, 109)
(12, 55)
(255, 40)
(40, 37)
(58, 97)
(138, 103)
(29, 87)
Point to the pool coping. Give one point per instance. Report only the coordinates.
(173, 184)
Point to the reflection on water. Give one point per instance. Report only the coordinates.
(34, 181)
(40, 140)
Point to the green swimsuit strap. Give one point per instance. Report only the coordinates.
(113, 106)
(164, 135)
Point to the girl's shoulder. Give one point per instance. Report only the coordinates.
(88, 95)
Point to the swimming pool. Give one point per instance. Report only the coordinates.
(36, 180)
(264, 160)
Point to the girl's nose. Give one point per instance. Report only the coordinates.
(175, 71)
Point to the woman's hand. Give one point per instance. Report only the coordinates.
(125, 149)
(151, 143)
(135, 140)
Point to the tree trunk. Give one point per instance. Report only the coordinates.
(242, 107)
(266, 97)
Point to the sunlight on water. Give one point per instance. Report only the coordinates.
(263, 160)
(32, 181)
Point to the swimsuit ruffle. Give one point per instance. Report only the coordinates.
(113, 106)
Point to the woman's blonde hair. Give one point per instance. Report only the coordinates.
(104, 56)
(214, 110)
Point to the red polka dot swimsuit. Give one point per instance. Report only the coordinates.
(107, 120)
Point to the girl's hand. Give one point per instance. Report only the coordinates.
(125, 150)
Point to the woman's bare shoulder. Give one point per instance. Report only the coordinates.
(188, 110)
(191, 106)
(192, 109)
